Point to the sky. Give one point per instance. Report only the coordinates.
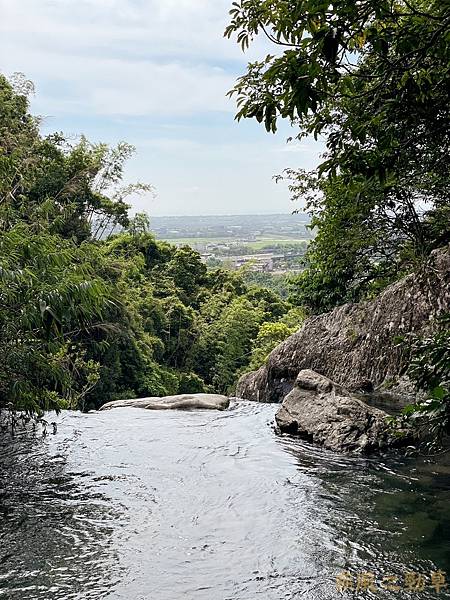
(154, 73)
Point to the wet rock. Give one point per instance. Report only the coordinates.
(357, 345)
(323, 412)
(180, 402)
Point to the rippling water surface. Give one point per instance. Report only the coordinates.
(133, 505)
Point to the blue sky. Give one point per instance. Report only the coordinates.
(154, 73)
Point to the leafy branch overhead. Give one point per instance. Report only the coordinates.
(327, 52)
(371, 79)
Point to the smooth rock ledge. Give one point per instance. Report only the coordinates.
(180, 402)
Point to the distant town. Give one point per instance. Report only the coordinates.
(265, 243)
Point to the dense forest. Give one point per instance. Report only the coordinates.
(87, 316)
(94, 308)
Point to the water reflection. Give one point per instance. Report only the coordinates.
(134, 505)
(390, 516)
(56, 526)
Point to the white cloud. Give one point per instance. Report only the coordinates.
(152, 25)
(156, 73)
(122, 57)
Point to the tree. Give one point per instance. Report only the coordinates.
(372, 77)
(50, 299)
(92, 307)
(325, 51)
(268, 338)
(73, 188)
(236, 329)
(187, 271)
(429, 369)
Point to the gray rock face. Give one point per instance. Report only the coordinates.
(180, 402)
(325, 413)
(356, 344)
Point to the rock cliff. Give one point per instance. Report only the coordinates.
(356, 345)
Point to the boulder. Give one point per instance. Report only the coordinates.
(357, 345)
(180, 402)
(323, 412)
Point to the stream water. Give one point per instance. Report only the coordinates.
(131, 505)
